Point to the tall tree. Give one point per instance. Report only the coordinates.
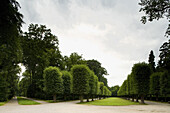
(53, 81)
(141, 73)
(154, 10)
(37, 44)
(151, 61)
(100, 71)
(73, 59)
(164, 61)
(81, 76)
(10, 49)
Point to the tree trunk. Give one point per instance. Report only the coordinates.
(87, 98)
(137, 98)
(92, 98)
(54, 98)
(150, 97)
(65, 97)
(81, 98)
(132, 98)
(156, 97)
(142, 99)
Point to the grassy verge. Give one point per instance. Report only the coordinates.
(2, 103)
(111, 102)
(23, 101)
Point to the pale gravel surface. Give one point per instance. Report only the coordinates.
(72, 107)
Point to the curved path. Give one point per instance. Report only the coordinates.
(72, 107)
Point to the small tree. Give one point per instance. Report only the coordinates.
(80, 80)
(67, 83)
(53, 81)
(141, 73)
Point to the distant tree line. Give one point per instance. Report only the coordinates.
(147, 81)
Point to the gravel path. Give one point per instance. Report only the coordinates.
(72, 107)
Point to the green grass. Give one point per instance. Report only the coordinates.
(111, 102)
(23, 101)
(2, 103)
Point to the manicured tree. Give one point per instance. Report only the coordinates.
(122, 91)
(128, 87)
(98, 90)
(105, 90)
(165, 84)
(53, 81)
(141, 73)
(96, 86)
(80, 80)
(132, 92)
(101, 89)
(155, 84)
(92, 85)
(67, 83)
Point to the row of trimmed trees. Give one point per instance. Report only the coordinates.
(81, 81)
(146, 81)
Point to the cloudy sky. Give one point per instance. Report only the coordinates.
(109, 31)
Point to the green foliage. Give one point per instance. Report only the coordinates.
(154, 10)
(53, 81)
(10, 47)
(164, 62)
(38, 45)
(101, 86)
(81, 76)
(165, 83)
(123, 89)
(74, 59)
(114, 90)
(3, 88)
(155, 83)
(141, 73)
(98, 70)
(67, 82)
(92, 84)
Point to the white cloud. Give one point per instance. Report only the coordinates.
(107, 30)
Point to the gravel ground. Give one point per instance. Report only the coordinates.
(72, 107)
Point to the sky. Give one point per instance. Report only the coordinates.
(109, 31)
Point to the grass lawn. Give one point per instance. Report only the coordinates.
(114, 101)
(23, 101)
(2, 103)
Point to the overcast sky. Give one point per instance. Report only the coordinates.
(109, 31)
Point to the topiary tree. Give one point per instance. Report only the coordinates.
(101, 87)
(92, 85)
(141, 73)
(80, 80)
(67, 83)
(53, 81)
(96, 92)
(165, 84)
(155, 84)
